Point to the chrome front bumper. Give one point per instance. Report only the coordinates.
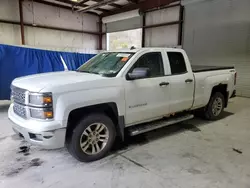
(47, 134)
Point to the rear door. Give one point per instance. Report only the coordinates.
(181, 82)
(147, 98)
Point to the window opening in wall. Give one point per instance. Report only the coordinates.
(124, 39)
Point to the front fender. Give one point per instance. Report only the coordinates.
(73, 100)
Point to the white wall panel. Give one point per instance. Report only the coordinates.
(162, 16)
(161, 36)
(123, 25)
(165, 35)
(45, 15)
(9, 10)
(121, 16)
(59, 39)
(9, 34)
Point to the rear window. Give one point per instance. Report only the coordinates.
(177, 63)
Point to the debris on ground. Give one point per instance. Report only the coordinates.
(237, 150)
(36, 162)
(24, 149)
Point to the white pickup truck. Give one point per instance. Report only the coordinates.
(114, 93)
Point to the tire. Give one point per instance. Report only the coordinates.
(209, 114)
(78, 136)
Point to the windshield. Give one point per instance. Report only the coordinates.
(106, 64)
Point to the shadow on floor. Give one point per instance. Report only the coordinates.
(4, 108)
(190, 125)
(226, 114)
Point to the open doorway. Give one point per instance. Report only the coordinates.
(124, 39)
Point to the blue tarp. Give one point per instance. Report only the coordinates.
(19, 61)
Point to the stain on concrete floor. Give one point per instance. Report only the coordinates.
(21, 166)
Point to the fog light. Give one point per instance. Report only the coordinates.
(37, 137)
(41, 113)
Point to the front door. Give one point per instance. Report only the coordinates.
(147, 98)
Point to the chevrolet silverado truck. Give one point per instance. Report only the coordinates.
(113, 94)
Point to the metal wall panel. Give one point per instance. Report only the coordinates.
(52, 16)
(218, 33)
(162, 16)
(60, 40)
(165, 35)
(45, 15)
(161, 36)
(9, 34)
(126, 24)
(9, 10)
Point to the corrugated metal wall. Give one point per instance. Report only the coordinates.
(218, 33)
(165, 35)
(45, 15)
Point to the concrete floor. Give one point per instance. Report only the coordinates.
(196, 153)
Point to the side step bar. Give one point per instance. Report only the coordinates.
(145, 127)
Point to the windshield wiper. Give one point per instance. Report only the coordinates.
(87, 71)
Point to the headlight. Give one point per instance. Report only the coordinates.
(40, 99)
(41, 113)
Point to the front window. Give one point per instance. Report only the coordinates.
(153, 61)
(107, 64)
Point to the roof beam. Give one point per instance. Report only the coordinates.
(97, 5)
(81, 4)
(49, 27)
(60, 6)
(115, 5)
(103, 10)
(111, 4)
(133, 1)
(143, 5)
(51, 4)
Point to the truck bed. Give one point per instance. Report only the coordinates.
(204, 68)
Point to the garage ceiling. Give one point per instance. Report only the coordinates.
(99, 7)
(105, 7)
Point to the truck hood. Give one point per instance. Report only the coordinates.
(38, 82)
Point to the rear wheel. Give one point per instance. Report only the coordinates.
(92, 138)
(215, 107)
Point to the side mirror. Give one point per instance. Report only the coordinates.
(138, 73)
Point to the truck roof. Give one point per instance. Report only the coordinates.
(145, 49)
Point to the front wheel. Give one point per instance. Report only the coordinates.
(92, 138)
(215, 106)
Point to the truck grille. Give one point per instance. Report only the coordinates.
(20, 110)
(18, 94)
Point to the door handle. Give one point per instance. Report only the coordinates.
(164, 84)
(189, 80)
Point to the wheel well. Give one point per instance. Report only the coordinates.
(222, 88)
(109, 109)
